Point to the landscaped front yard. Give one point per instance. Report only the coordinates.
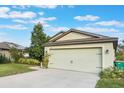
(13, 68)
(110, 83)
(111, 78)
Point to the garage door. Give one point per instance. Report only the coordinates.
(87, 60)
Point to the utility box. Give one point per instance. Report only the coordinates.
(119, 64)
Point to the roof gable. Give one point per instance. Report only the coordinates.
(55, 36)
(73, 34)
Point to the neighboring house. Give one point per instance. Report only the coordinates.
(6, 46)
(4, 49)
(81, 51)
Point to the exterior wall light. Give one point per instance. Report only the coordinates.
(107, 51)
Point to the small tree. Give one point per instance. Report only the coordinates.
(120, 52)
(16, 54)
(38, 38)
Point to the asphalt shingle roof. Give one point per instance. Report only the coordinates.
(8, 45)
(4, 46)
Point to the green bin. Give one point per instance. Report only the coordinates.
(119, 64)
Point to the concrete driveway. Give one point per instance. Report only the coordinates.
(50, 78)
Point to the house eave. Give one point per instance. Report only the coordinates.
(83, 41)
(4, 49)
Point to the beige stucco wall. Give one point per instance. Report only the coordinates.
(107, 59)
(72, 36)
(56, 36)
(5, 52)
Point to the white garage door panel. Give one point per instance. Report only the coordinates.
(88, 60)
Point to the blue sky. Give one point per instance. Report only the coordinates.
(16, 22)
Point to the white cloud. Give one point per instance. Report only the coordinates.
(97, 29)
(38, 6)
(46, 25)
(71, 6)
(21, 6)
(14, 27)
(48, 18)
(110, 23)
(16, 14)
(41, 13)
(46, 6)
(87, 18)
(3, 10)
(42, 20)
(14, 6)
(6, 13)
(39, 20)
(56, 29)
(20, 21)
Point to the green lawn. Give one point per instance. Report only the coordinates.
(110, 83)
(10, 69)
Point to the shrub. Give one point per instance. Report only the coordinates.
(29, 61)
(120, 55)
(4, 59)
(112, 73)
(16, 54)
(45, 60)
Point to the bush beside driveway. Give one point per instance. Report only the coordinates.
(111, 78)
(110, 83)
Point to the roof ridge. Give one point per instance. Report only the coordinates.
(86, 32)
